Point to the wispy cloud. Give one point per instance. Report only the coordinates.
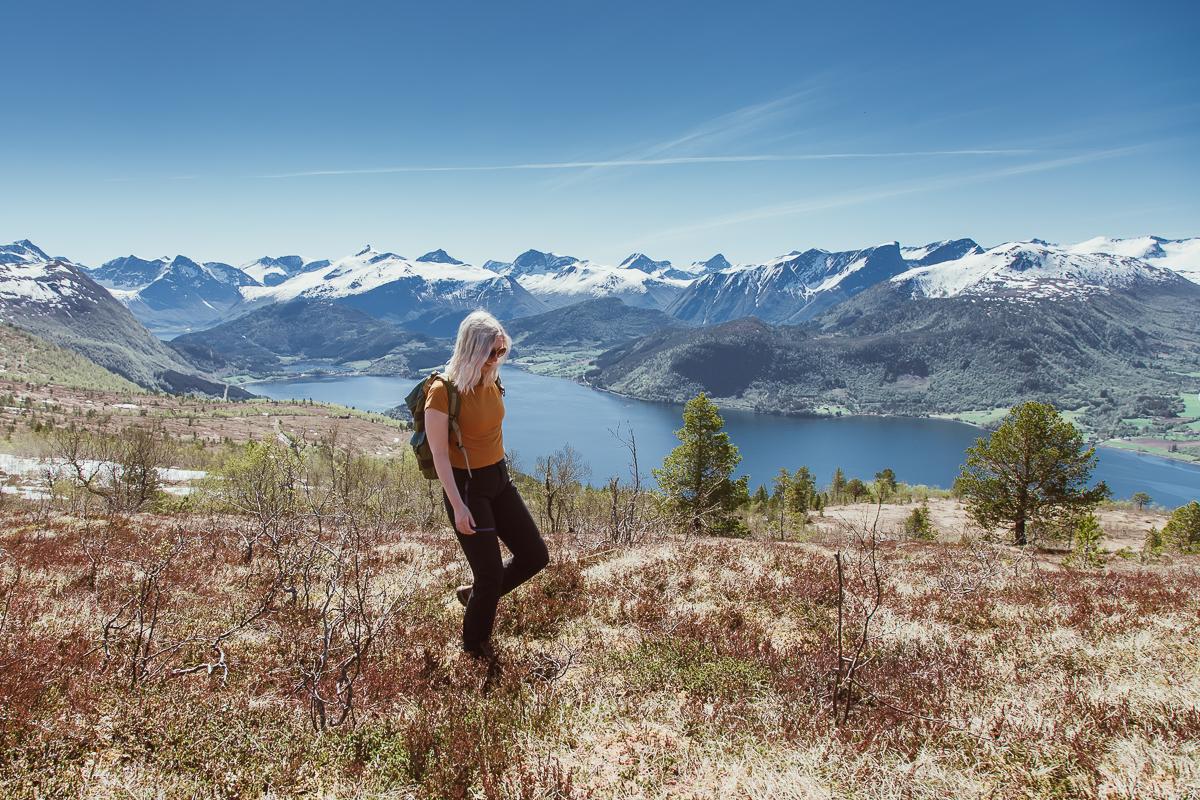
(650, 162)
(749, 127)
(845, 199)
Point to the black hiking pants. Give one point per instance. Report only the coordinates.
(500, 516)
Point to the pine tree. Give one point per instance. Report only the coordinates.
(696, 475)
(1032, 471)
(837, 486)
(885, 483)
(1085, 542)
(1182, 530)
(783, 490)
(919, 524)
(804, 486)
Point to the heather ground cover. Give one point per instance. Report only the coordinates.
(312, 652)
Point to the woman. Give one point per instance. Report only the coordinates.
(482, 501)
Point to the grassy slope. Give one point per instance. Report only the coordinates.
(25, 358)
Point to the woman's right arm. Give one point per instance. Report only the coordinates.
(437, 433)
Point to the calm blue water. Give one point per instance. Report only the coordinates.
(542, 414)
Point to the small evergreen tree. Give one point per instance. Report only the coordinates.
(782, 486)
(1182, 530)
(837, 487)
(885, 483)
(1085, 541)
(1032, 470)
(804, 486)
(856, 489)
(918, 524)
(1141, 500)
(1153, 545)
(696, 476)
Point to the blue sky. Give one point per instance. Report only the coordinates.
(231, 130)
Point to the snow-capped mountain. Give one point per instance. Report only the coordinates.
(187, 296)
(583, 280)
(32, 283)
(391, 287)
(22, 252)
(170, 295)
(60, 301)
(788, 289)
(272, 271)
(129, 272)
(431, 292)
(440, 256)
(229, 274)
(718, 263)
(531, 262)
(937, 252)
(1031, 271)
(644, 263)
(1180, 255)
(665, 270)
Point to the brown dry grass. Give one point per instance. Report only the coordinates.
(675, 669)
(204, 421)
(1123, 527)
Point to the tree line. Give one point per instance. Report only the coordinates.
(1030, 477)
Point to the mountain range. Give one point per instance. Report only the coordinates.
(432, 292)
(884, 327)
(61, 303)
(1020, 321)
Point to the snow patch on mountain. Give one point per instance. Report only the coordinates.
(718, 263)
(643, 262)
(45, 282)
(531, 262)
(584, 280)
(22, 252)
(365, 270)
(1180, 255)
(440, 256)
(270, 270)
(937, 252)
(1030, 270)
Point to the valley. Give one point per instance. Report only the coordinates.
(1106, 329)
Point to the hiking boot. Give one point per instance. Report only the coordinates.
(463, 593)
(484, 652)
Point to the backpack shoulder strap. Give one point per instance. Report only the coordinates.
(453, 402)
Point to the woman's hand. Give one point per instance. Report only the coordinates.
(464, 522)
(437, 428)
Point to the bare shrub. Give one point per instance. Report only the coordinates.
(861, 588)
(561, 475)
(349, 614)
(121, 469)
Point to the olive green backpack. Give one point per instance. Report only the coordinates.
(416, 406)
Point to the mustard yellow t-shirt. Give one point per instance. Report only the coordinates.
(480, 414)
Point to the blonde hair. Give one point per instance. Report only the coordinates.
(476, 338)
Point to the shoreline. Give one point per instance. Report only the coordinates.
(1112, 444)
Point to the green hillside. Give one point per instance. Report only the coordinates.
(25, 358)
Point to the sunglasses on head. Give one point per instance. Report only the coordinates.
(497, 352)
